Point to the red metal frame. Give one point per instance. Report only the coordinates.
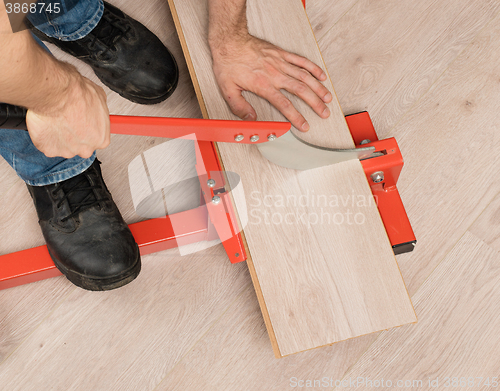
(210, 221)
(386, 194)
(35, 264)
(207, 222)
(222, 215)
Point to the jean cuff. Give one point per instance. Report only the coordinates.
(60, 176)
(60, 29)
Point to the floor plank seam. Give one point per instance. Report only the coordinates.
(359, 357)
(480, 214)
(249, 286)
(482, 241)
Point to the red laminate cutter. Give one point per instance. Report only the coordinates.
(216, 217)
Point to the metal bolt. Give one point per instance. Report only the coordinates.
(239, 137)
(211, 183)
(271, 137)
(237, 255)
(215, 200)
(377, 177)
(365, 141)
(254, 138)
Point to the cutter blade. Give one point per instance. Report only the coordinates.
(291, 152)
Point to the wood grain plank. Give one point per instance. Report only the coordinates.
(457, 333)
(24, 308)
(318, 283)
(384, 55)
(449, 142)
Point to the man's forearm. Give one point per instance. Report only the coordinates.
(29, 76)
(227, 21)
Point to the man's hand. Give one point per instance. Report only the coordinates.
(243, 62)
(251, 64)
(78, 126)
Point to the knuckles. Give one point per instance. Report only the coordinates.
(300, 89)
(303, 75)
(85, 152)
(284, 104)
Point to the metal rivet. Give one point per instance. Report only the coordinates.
(271, 137)
(237, 254)
(239, 137)
(211, 183)
(215, 200)
(254, 138)
(377, 177)
(365, 141)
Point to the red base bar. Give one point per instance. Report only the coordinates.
(158, 234)
(24, 267)
(35, 264)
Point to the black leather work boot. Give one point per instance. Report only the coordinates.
(125, 56)
(85, 233)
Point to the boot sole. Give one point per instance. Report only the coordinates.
(100, 284)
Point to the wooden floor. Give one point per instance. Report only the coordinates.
(429, 74)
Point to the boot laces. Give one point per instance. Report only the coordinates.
(80, 195)
(109, 31)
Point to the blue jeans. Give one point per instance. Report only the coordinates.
(76, 19)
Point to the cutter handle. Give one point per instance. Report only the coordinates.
(12, 117)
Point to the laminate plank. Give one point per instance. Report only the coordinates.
(317, 283)
(457, 334)
(24, 308)
(7, 176)
(487, 225)
(385, 55)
